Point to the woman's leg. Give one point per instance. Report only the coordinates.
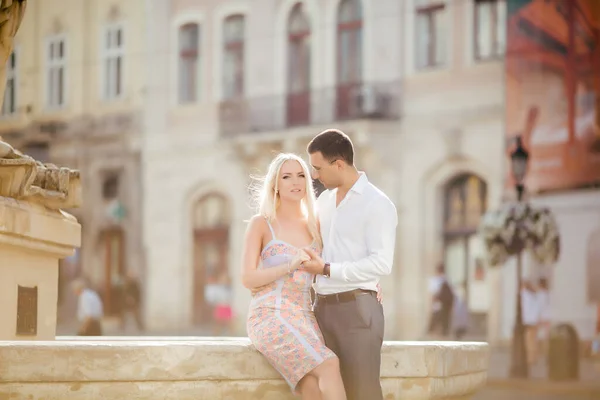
(330, 380)
(531, 343)
(309, 388)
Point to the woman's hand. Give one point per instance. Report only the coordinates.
(297, 261)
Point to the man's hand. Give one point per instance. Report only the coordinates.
(315, 265)
(379, 294)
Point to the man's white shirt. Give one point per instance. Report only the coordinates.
(359, 236)
(90, 305)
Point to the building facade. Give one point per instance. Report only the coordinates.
(169, 108)
(552, 80)
(74, 97)
(416, 84)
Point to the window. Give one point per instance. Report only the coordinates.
(349, 41)
(490, 29)
(110, 186)
(113, 62)
(349, 55)
(430, 33)
(56, 60)
(9, 107)
(298, 104)
(233, 71)
(189, 56)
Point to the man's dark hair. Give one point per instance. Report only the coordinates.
(333, 145)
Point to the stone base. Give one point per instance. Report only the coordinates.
(211, 368)
(32, 240)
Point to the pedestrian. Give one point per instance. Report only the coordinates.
(442, 302)
(530, 306)
(89, 309)
(460, 314)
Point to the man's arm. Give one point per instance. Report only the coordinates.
(381, 240)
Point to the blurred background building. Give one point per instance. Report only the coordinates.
(552, 86)
(75, 98)
(418, 86)
(170, 106)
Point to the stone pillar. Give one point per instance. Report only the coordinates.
(34, 235)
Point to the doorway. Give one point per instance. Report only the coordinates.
(211, 249)
(465, 201)
(113, 242)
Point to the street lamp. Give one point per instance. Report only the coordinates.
(519, 159)
(519, 368)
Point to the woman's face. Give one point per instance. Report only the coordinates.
(292, 181)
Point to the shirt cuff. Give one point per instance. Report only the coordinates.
(335, 271)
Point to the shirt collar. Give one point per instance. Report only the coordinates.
(360, 185)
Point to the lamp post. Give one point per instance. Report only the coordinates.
(519, 368)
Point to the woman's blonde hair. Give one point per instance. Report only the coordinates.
(267, 196)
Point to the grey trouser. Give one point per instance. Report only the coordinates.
(352, 324)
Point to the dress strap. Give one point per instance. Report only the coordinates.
(271, 229)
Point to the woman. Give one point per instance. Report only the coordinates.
(530, 309)
(545, 323)
(222, 313)
(280, 323)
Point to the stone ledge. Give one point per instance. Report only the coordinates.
(210, 368)
(30, 225)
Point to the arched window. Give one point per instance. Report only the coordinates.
(211, 219)
(233, 57)
(298, 86)
(349, 54)
(189, 61)
(465, 201)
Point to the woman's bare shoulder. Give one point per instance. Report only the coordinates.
(257, 223)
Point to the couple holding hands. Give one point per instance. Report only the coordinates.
(341, 245)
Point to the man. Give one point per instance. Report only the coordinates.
(530, 309)
(442, 302)
(358, 225)
(460, 313)
(89, 309)
(132, 297)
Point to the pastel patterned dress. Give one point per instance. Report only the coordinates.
(281, 324)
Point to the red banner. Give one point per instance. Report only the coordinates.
(553, 90)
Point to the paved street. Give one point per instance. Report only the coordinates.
(538, 387)
(509, 394)
(500, 361)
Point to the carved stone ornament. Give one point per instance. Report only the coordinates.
(11, 15)
(23, 178)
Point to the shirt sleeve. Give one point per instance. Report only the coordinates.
(380, 240)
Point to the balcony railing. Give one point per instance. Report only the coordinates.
(379, 100)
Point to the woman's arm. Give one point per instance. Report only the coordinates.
(252, 276)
